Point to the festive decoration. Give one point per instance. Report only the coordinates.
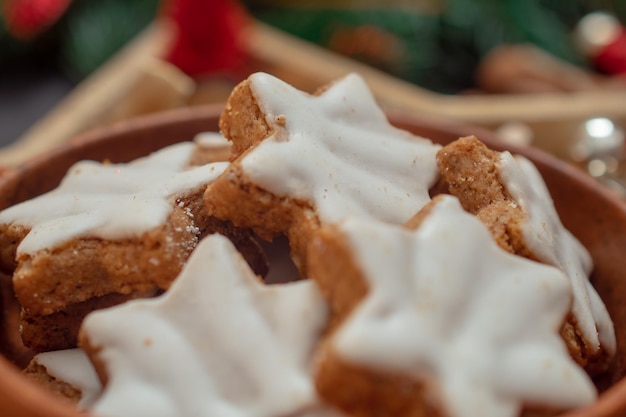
(602, 38)
(93, 31)
(207, 39)
(27, 18)
(73, 37)
(435, 43)
(612, 59)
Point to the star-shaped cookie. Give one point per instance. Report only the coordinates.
(475, 327)
(219, 342)
(553, 244)
(301, 160)
(92, 196)
(509, 195)
(106, 234)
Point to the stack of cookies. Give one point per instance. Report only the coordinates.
(432, 281)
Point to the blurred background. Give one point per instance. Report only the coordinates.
(546, 73)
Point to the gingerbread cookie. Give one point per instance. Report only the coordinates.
(218, 342)
(509, 195)
(108, 231)
(301, 160)
(433, 334)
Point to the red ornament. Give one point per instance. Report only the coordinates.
(208, 36)
(27, 18)
(602, 38)
(612, 58)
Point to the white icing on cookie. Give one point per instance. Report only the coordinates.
(110, 201)
(219, 342)
(553, 244)
(447, 305)
(73, 367)
(338, 151)
(212, 141)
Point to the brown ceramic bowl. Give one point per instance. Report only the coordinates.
(592, 213)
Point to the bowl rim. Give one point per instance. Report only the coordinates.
(25, 398)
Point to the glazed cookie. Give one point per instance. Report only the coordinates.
(109, 232)
(509, 195)
(68, 374)
(300, 160)
(219, 342)
(474, 334)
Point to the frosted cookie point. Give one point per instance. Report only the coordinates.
(68, 373)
